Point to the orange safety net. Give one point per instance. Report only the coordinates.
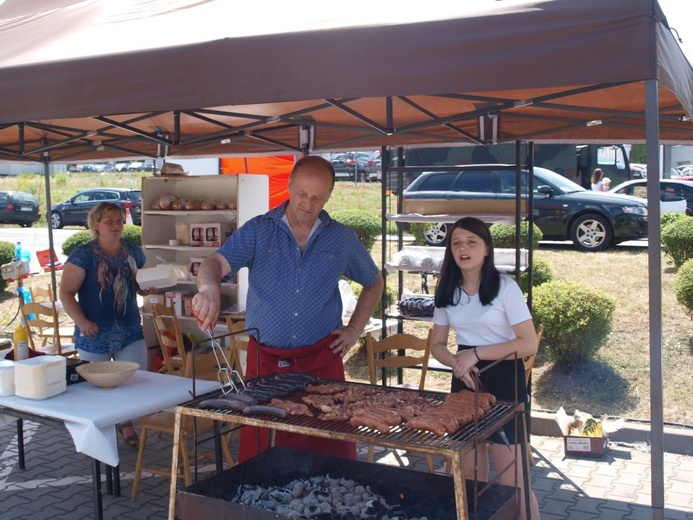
(277, 167)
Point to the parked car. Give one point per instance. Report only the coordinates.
(675, 195)
(563, 210)
(375, 166)
(17, 207)
(74, 211)
(351, 165)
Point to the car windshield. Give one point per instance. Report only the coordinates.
(557, 182)
(135, 195)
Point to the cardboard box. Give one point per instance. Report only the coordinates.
(212, 236)
(149, 300)
(175, 299)
(193, 266)
(187, 305)
(584, 446)
(197, 233)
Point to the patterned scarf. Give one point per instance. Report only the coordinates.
(111, 272)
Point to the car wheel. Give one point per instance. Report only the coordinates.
(56, 221)
(27, 224)
(591, 232)
(436, 234)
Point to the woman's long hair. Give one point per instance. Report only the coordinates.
(450, 283)
(597, 175)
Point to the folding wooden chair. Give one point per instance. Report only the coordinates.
(41, 320)
(384, 354)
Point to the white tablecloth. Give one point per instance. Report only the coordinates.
(90, 413)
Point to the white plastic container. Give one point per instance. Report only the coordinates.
(6, 377)
(40, 377)
(163, 275)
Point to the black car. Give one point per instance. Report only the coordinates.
(670, 191)
(351, 164)
(74, 211)
(17, 207)
(563, 210)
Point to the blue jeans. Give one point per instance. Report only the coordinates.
(136, 352)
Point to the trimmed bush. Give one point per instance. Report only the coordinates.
(418, 230)
(365, 225)
(504, 235)
(677, 240)
(683, 285)
(6, 256)
(577, 320)
(130, 234)
(390, 297)
(541, 273)
(668, 218)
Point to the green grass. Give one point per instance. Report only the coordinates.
(65, 185)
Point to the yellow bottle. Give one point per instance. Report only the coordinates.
(20, 340)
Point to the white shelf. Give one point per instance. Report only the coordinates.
(178, 213)
(250, 193)
(495, 218)
(201, 249)
(194, 283)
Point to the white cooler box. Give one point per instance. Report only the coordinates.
(40, 377)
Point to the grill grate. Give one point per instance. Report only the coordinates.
(398, 437)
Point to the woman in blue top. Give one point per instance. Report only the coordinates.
(98, 291)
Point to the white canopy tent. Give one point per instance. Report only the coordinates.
(98, 80)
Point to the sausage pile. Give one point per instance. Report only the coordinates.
(377, 408)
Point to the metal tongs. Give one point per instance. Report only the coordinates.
(230, 380)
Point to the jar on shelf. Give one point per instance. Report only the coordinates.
(183, 233)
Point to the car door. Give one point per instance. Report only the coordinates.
(75, 213)
(550, 211)
(672, 198)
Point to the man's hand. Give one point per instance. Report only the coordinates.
(205, 309)
(346, 338)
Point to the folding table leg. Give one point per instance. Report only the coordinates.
(109, 480)
(96, 477)
(116, 480)
(20, 443)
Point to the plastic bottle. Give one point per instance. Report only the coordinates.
(18, 251)
(24, 294)
(20, 339)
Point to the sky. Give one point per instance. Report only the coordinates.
(679, 14)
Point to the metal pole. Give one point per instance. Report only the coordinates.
(654, 255)
(51, 247)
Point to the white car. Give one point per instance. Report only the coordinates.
(675, 196)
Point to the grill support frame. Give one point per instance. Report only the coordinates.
(454, 447)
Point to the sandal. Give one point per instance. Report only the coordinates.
(132, 441)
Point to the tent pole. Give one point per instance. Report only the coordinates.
(51, 248)
(654, 253)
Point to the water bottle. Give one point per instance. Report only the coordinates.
(18, 251)
(20, 339)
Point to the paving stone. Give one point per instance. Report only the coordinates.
(566, 488)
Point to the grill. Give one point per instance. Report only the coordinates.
(453, 446)
(414, 491)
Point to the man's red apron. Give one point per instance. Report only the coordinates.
(314, 359)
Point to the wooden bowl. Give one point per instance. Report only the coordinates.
(107, 374)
